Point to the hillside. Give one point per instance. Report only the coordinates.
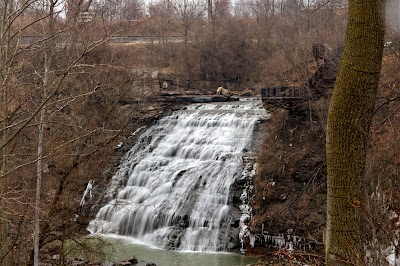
(290, 185)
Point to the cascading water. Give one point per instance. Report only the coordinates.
(173, 187)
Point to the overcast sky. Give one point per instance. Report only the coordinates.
(393, 15)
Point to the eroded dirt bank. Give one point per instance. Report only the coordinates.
(290, 184)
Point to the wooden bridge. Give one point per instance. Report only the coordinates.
(284, 96)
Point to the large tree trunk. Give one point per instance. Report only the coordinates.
(349, 120)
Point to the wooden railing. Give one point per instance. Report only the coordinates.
(283, 95)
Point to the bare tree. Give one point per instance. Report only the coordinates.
(222, 8)
(46, 85)
(131, 10)
(188, 12)
(48, 33)
(5, 65)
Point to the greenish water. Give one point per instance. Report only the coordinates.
(123, 248)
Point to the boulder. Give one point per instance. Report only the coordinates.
(133, 260)
(222, 91)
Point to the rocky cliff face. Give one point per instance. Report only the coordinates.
(290, 184)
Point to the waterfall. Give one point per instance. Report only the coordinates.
(172, 189)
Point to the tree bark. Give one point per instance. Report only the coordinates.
(348, 126)
(5, 46)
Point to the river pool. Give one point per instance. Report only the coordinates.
(125, 247)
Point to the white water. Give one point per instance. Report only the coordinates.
(173, 187)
